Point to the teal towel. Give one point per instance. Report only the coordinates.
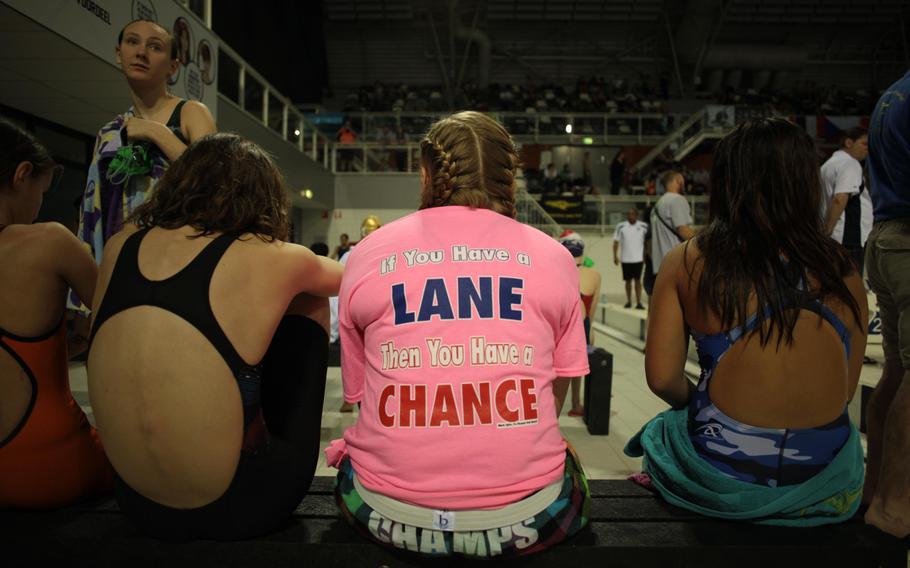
(686, 480)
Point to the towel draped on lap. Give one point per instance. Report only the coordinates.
(686, 480)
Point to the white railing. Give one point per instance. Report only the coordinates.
(688, 129)
(241, 84)
(548, 127)
(531, 213)
(608, 211)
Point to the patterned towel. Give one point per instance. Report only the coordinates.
(684, 479)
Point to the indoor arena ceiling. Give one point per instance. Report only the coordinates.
(737, 11)
(553, 38)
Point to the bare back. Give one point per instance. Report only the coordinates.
(802, 385)
(33, 288)
(589, 285)
(166, 402)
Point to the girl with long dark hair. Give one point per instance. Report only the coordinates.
(777, 312)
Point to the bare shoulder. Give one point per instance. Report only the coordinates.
(678, 257)
(195, 108)
(197, 119)
(41, 237)
(590, 272)
(857, 289)
(684, 262)
(115, 243)
(277, 252)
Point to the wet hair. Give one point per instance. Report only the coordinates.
(170, 35)
(765, 235)
(853, 134)
(470, 160)
(222, 183)
(17, 146)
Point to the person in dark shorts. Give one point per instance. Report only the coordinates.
(630, 236)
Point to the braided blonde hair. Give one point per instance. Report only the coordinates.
(470, 160)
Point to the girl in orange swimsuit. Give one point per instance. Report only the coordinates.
(49, 454)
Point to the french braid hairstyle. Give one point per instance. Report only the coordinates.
(469, 160)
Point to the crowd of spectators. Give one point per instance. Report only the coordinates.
(564, 179)
(805, 98)
(591, 94)
(600, 94)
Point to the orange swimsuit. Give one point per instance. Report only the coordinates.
(54, 457)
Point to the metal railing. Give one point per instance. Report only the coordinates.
(686, 130)
(607, 211)
(241, 84)
(531, 213)
(548, 127)
(375, 157)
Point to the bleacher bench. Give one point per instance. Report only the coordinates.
(629, 527)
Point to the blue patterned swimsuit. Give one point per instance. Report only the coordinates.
(765, 456)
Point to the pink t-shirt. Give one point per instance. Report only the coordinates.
(454, 323)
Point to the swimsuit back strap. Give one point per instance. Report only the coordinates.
(174, 122)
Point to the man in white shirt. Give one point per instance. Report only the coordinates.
(630, 235)
(847, 205)
(671, 220)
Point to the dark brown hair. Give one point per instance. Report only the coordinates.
(854, 134)
(765, 235)
(17, 146)
(470, 160)
(170, 35)
(222, 183)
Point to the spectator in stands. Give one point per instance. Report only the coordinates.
(630, 235)
(617, 171)
(346, 135)
(343, 247)
(49, 454)
(887, 486)
(671, 220)
(211, 420)
(589, 287)
(587, 178)
(454, 455)
(847, 205)
(133, 151)
(565, 175)
(768, 298)
(550, 179)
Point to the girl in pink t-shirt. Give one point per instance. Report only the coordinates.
(456, 321)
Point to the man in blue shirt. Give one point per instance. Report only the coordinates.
(887, 486)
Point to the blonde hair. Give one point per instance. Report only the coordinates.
(470, 160)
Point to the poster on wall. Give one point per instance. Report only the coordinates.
(94, 26)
